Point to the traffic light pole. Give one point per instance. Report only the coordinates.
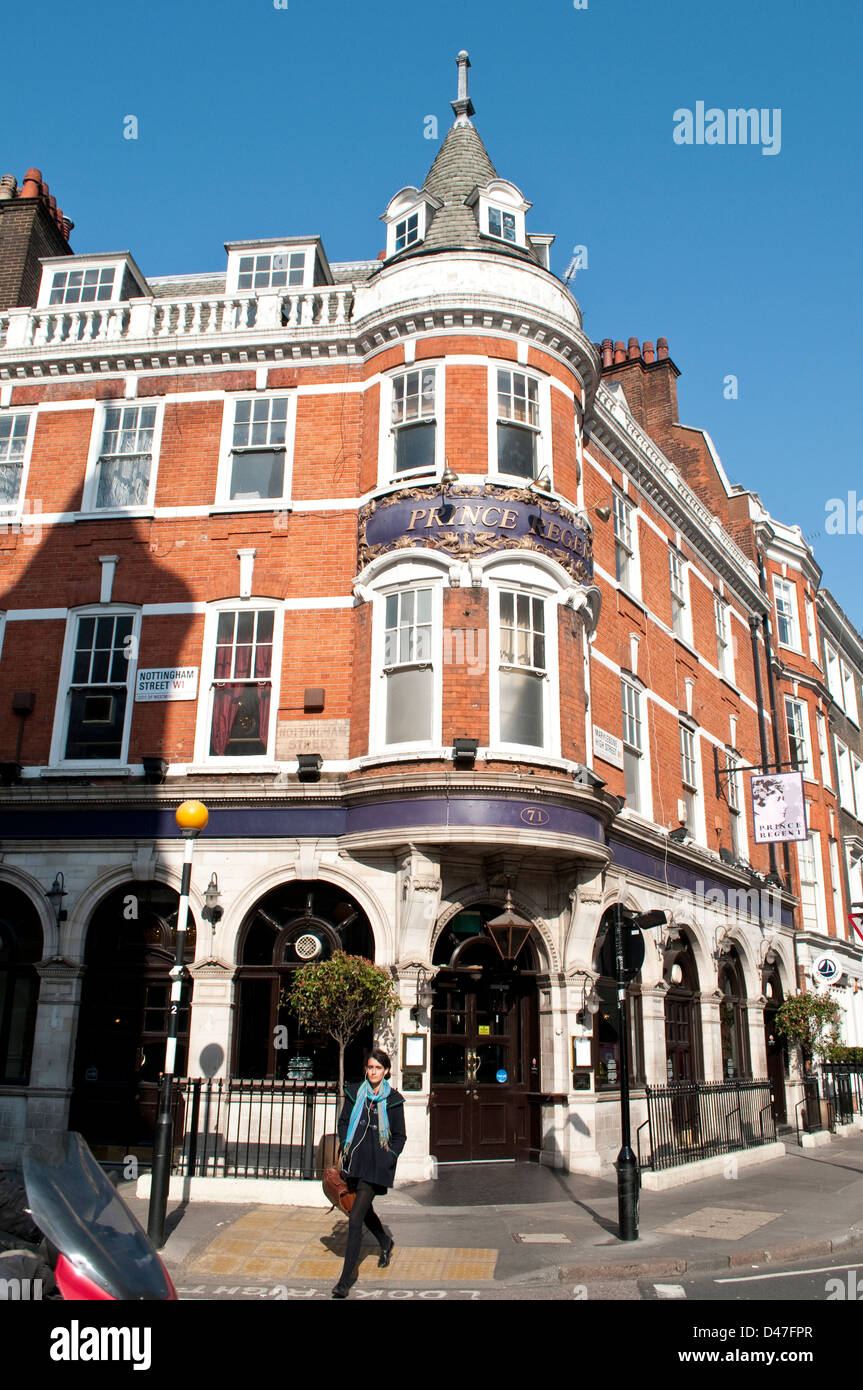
(628, 1180)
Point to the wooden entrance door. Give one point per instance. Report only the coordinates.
(485, 1061)
(775, 1048)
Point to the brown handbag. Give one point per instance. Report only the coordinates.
(336, 1190)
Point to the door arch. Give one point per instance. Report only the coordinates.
(484, 1046)
(123, 1021)
(296, 923)
(682, 1014)
(775, 1045)
(20, 949)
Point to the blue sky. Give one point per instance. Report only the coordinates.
(258, 121)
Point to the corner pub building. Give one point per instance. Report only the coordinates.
(380, 561)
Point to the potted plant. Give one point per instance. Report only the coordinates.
(812, 1022)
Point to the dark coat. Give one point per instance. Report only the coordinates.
(367, 1158)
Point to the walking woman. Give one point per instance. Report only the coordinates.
(372, 1135)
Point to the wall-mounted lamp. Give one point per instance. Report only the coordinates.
(680, 836)
(542, 483)
(589, 1001)
(603, 511)
(55, 895)
(155, 771)
(309, 767)
(448, 478)
(10, 773)
(212, 911)
(464, 753)
(425, 992)
(586, 777)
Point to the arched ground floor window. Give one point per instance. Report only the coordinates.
(20, 948)
(292, 925)
(125, 1008)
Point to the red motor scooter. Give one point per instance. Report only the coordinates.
(102, 1251)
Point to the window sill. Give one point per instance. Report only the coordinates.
(633, 598)
(217, 765)
(258, 504)
(115, 513)
(79, 769)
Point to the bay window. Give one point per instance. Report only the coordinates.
(407, 666)
(414, 421)
(518, 423)
(522, 672)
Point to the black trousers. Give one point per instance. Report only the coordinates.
(362, 1213)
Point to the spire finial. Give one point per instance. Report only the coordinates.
(462, 106)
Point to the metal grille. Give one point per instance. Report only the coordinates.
(689, 1120)
(253, 1129)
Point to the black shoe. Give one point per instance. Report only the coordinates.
(341, 1291)
(384, 1256)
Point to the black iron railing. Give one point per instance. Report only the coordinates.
(253, 1129)
(842, 1084)
(689, 1120)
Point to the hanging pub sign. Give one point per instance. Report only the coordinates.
(778, 807)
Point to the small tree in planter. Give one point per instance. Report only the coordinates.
(812, 1021)
(339, 996)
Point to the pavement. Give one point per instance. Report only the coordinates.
(518, 1226)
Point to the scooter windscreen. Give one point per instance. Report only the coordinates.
(73, 1203)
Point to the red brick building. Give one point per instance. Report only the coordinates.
(442, 613)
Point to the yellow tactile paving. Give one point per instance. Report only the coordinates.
(300, 1243)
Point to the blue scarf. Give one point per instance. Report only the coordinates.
(365, 1093)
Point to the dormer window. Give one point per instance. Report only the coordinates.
(89, 282)
(408, 219)
(501, 224)
(276, 267)
(407, 231)
(500, 211)
(272, 271)
(82, 286)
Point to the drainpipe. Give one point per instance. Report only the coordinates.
(771, 688)
(762, 725)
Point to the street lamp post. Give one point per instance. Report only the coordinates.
(191, 817)
(627, 1165)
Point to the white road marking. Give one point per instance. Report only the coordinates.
(670, 1291)
(787, 1274)
(544, 1239)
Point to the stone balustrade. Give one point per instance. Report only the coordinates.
(195, 316)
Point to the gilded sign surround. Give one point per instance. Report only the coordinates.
(468, 521)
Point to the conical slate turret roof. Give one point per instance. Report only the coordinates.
(462, 164)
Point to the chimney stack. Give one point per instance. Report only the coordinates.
(31, 227)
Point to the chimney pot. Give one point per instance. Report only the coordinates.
(619, 351)
(661, 348)
(32, 186)
(634, 348)
(649, 354)
(8, 186)
(67, 227)
(607, 352)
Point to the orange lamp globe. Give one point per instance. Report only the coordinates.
(192, 815)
